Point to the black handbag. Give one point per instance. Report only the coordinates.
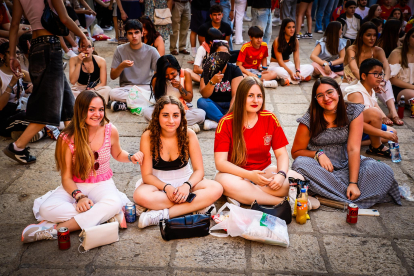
(189, 226)
(337, 68)
(282, 210)
(51, 22)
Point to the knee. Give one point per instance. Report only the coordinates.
(373, 114)
(141, 198)
(202, 103)
(216, 189)
(225, 181)
(200, 115)
(114, 204)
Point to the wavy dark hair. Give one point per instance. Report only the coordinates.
(359, 41)
(282, 40)
(152, 33)
(154, 128)
(216, 45)
(371, 12)
(318, 124)
(163, 63)
(388, 40)
(331, 37)
(405, 47)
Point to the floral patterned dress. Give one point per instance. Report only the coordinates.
(150, 6)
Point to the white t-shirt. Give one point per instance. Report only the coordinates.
(362, 13)
(201, 53)
(352, 25)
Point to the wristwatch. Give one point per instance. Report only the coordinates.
(330, 63)
(325, 63)
(212, 83)
(129, 157)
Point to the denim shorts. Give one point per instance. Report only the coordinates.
(52, 99)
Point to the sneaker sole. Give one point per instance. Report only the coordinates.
(233, 201)
(31, 225)
(11, 155)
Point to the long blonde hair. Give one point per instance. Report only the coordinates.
(77, 131)
(239, 153)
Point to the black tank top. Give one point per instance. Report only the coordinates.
(84, 77)
(285, 54)
(162, 165)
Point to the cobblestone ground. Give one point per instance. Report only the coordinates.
(325, 245)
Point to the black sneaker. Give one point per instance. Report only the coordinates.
(118, 106)
(307, 35)
(22, 157)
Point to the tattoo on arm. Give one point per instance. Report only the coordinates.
(183, 91)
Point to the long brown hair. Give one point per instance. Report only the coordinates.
(78, 132)
(282, 44)
(331, 37)
(359, 41)
(239, 154)
(371, 12)
(155, 129)
(405, 47)
(318, 124)
(389, 37)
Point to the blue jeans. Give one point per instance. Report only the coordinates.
(323, 14)
(226, 5)
(263, 19)
(314, 6)
(214, 111)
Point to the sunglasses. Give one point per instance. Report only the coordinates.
(219, 40)
(96, 165)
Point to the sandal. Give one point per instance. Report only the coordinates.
(396, 120)
(387, 121)
(378, 151)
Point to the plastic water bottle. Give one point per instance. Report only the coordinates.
(401, 107)
(395, 151)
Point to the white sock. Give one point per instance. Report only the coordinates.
(166, 214)
(16, 148)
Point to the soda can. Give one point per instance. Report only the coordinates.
(352, 216)
(411, 101)
(63, 238)
(259, 75)
(130, 212)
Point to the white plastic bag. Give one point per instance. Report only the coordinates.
(97, 30)
(252, 225)
(138, 99)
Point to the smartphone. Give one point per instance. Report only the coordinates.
(190, 197)
(368, 212)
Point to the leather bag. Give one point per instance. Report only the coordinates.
(189, 226)
(98, 235)
(282, 210)
(51, 22)
(162, 16)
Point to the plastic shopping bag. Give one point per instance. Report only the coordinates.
(138, 99)
(252, 225)
(97, 30)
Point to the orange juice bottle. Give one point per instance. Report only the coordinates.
(302, 207)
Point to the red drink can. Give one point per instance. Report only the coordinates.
(352, 216)
(63, 238)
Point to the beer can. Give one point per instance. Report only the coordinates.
(130, 212)
(63, 238)
(352, 216)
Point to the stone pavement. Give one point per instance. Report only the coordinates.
(325, 245)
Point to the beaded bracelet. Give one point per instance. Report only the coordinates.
(80, 197)
(75, 192)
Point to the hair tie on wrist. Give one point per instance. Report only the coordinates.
(282, 173)
(165, 187)
(350, 182)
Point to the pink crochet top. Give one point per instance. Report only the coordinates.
(104, 172)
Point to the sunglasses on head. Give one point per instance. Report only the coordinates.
(219, 40)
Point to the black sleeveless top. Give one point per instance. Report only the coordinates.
(162, 165)
(285, 54)
(95, 75)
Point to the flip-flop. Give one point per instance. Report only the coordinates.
(378, 151)
(396, 120)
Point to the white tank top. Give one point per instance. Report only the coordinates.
(369, 100)
(171, 90)
(5, 79)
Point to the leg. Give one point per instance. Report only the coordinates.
(120, 94)
(372, 116)
(115, 19)
(239, 13)
(246, 192)
(319, 14)
(327, 14)
(31, 130)
(195, 116)
(15, 122)
(268, 30)
(306, 70)
(104, 92)
(213, 111)
(176, 18)
(184, 25)
(308, 14)
(195, 77)
(269, 75)
(150, 197)
(193, 37)
(408, 94)
(300, 12)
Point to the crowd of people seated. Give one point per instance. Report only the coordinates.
(365, 53)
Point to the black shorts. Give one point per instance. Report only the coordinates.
(52, 99)
(305, 1)
(197, 19)
(396, 90)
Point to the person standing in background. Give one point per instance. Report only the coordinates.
(228, 14)
(181, 15)
(199, 16)
(362, 9)
(262, 15)
(240, 7)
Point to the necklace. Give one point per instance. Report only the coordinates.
(248, 125)
(93, 137)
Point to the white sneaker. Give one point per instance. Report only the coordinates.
(204, 210)
(69, 54)
(241, 43)
(247, 19)
(209, 124)
(150, 218)
(320, 32)
(113, 40)
(75, 49)
(233, 201)
(270, 84)
(195, 128)
(36, 232)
